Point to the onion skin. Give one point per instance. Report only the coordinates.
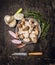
(12, 34)
(16, 41)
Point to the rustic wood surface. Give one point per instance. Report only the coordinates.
(47, 46)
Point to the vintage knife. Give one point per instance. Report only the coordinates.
(30, 54)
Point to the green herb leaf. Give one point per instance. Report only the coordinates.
(44, 25)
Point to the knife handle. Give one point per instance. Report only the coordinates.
(35, 53)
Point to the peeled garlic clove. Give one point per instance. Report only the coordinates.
(19, 16)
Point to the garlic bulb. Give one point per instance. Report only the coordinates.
(6, 19)
(12, 24)
(19, 16)
(10, 21)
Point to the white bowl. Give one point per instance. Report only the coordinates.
(38, 27)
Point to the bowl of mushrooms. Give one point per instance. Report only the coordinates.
(28, 30)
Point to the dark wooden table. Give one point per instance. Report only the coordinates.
(47, 46)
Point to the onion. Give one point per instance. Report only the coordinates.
(16, 41)
(12, 34)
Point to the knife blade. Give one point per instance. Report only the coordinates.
(20, 54)
(30, 54)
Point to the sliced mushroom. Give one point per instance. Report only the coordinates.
(26, 34)
(32, 35)
(21, 36)
(36, 30)
(20, 32)
(30, 29)
(27, 23)
(34, 39)
(19, 25)
(31, 21)
(26, 39)
(26, 28)
(35, 23)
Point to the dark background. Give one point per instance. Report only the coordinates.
(47, 46)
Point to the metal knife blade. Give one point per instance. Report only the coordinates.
(20, 54)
